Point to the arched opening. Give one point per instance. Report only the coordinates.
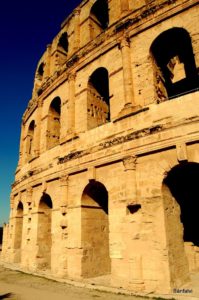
(30, 140)
(63, 42)
(53, 126)
(95, 230)
(39, 76)
(44, 239)
(98, 98)
(174, 64)
(40, 71)
(99, 17)
(182, 181)
(60, 55)
(18, 231)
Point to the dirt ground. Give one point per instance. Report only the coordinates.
(21, 286)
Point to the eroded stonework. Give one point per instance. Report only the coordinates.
(106, 182)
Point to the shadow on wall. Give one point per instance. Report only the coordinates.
(6, 296)
(1, 234)
(1, 237)
(182, 180)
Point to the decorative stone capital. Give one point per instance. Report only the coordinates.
(71, 77)
(77, 11)
(123, 42)
(40, 102)
(130, 163)
(64, 180)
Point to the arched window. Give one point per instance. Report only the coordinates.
(63, 42)
(60, 55)
(39, 76)
(174, 64)
(20, 209)
(53, 127)
(95, 230)
(99, 17)
(45, 202)
(40, 71)
(30, 140)
(98, 98)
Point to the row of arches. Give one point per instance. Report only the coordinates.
(44, 239)
(59, 56)
(98, 22)
(98, 112)
(181, 182)
(52, 133)
(175, 67)
(175, 73)
(175, 70)
(94, 220)
(99, 18)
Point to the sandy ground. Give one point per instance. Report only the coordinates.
(22, 286)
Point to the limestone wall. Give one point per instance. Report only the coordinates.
(110, 126)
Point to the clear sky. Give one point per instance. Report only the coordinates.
(26, 27)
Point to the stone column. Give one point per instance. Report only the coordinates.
(77, 29)
(63, 223)
(17, 233)
(119, 247)
(22, 146)
(29, 192)
(127, 73)
(12, 198)
(135, 259)
(9, 247)
(129, 101)
(71, 108)
(47, 65)
(64, 206)
(37, 134)
(27, 227)
(64, 193)
(130, 178)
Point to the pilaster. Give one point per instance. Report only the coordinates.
(129, 164)
(77, 29)
(129, 99)
(38, 129)
(71, 107)
(22, 146)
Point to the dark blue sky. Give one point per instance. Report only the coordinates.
(26, 27)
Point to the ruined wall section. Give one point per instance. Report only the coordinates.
(143, 65)
(126, 158)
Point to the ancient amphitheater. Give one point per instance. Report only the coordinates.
(107, 178)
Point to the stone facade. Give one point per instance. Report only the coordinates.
(106, 182)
